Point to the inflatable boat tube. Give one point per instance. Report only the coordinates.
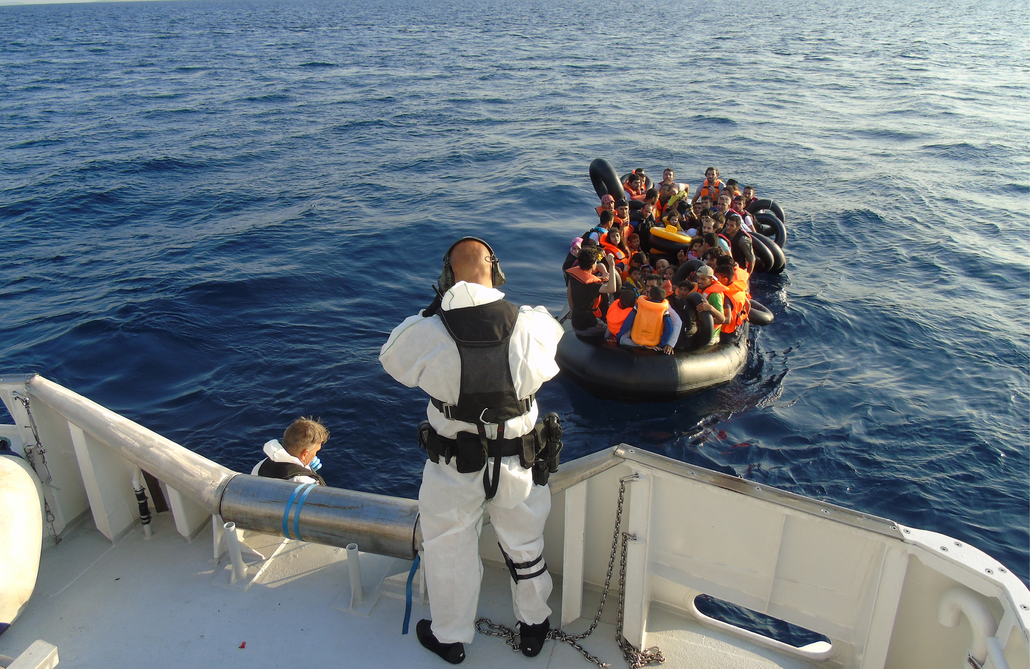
(779, 260)
(766, 204)
(633, 375)
(772, 227)
(605, 179)
(764, 261)
(21, 535)
(759, 314)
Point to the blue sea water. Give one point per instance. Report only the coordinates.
(213, 213)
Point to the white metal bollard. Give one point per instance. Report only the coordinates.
(232, 542)
(355, 575)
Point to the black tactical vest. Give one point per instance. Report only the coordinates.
(487, 392)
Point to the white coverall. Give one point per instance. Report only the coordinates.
(420, 353)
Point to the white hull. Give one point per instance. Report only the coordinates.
(108, 596)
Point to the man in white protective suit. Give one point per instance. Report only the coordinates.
(481, 360)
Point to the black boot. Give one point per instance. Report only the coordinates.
(532, 637)
(452, 652)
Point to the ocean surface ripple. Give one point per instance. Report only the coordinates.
(215, 212)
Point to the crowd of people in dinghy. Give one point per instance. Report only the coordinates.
(621, 287)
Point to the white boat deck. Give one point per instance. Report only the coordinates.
(163, 602)
(882, 596)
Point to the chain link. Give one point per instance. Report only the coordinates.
(38, 448)
(634, 657)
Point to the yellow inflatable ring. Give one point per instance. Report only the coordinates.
(670, 232)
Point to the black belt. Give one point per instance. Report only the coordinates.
(473, 451)
(487, 416)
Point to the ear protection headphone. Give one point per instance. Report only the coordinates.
(447, 275)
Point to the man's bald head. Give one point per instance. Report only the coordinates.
(470, 261)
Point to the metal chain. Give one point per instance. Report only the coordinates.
(50, 518)
(634, 657)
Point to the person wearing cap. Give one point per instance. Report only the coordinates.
(481, 360)
(607, 204)
(714, 303)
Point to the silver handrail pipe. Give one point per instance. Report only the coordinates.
(333, 516)
(378, 523)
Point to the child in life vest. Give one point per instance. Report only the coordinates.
(651, 324)
(634, 280)
(670, 272)
(618, 311)
(633, 242)
(696, 248)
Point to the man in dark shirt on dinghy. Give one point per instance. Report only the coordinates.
(585, 290)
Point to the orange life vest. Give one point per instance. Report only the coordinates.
(584, 276)
(740, 274)
(737, 294)
(647, 324)
(707, 190)
(616, 317)
(634, 195)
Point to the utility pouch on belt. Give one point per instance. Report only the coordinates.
(546, 462)
(467, 449)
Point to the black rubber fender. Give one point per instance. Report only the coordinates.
(778, 261)
(685, 270)
(605, 179)
(766, 204)
(764, 261)
(705, 326)
(772, 227)
(759, 314)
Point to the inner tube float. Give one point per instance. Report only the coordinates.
(605, 179)
(669, 240)
(608, 371)
(766, 205)
(773, 254)
(685, 270)
(764, 260)
(759, 314)
(770, 226)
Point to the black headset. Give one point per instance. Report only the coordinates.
(447, 275)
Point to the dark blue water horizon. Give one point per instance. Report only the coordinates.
(214, 212)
